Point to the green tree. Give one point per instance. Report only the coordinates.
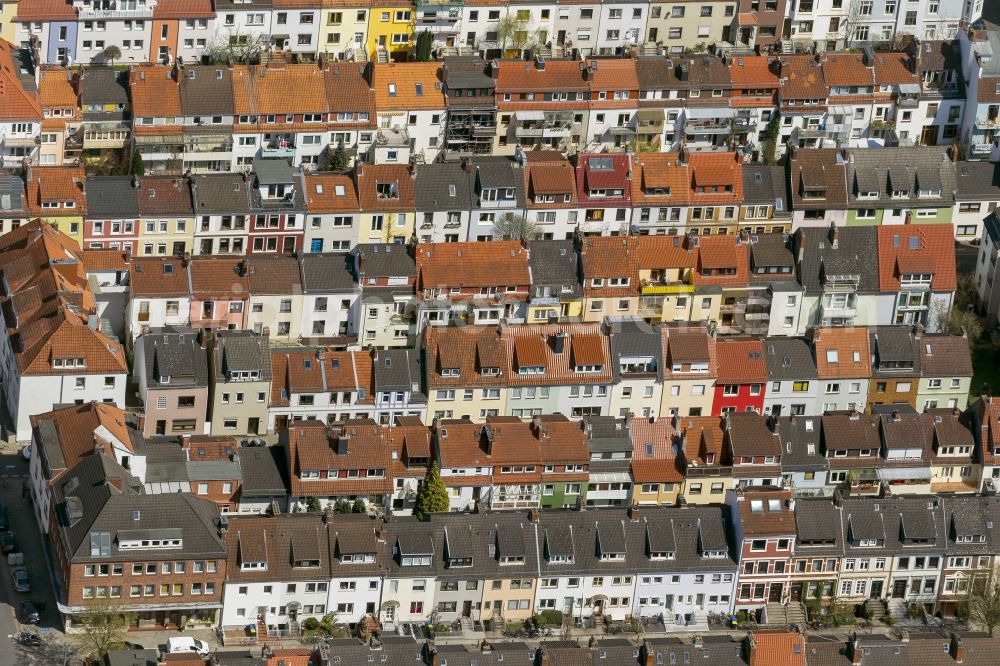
(513, 35)
(769, 139)
(342, 506)
(112, 53)
(359, 506)
(424, 46)
(312, 505)
(432, 496)
(339, 159)
(103, 627)
(138, 166)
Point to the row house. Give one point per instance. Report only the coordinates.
(387, 273)
(411, 105)
(764, 532)
(62, 118)
(345, 462)
(55, 350)
(112, 218)
(322, 385)
(977, 194)
(470, 100)
(173, 381)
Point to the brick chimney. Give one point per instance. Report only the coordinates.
(855, 651)
(957, 650)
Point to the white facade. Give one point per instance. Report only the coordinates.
(131, 35)
(622, 24)
(34, 394)
(158, 312)
(295, 30)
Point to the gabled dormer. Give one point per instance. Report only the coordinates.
(414, 548)
(611, 542)
(559, 546)
(457, 551)
(508, 547)
(660, 543)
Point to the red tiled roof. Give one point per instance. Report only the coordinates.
(916, 248)
(741, 362)
(475, 264)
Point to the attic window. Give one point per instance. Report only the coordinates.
(832, 356)
(649, 450)
(338, 190)
(914, 243)
(319, 189)
(168, 269)
(386, 191)
(420, 89)
(451, 190)
(308, 363)
(392, 90)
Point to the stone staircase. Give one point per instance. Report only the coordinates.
(897, 608)
(876, 609)
(786, 46)
(795, 613)
(382, 55)
(776, 615)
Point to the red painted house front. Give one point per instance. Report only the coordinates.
(742, 378)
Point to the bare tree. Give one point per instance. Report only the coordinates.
(239, 47)
(103, 625)
(983, 602)
(516, 227)
(514, 35)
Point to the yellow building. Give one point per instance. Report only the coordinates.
(707, 476)
(344, 27)
(166, 224)
(689, 371)
(458, 384)
(610, 276)
(665, 289)
(57, 195)
(510, 598)
(656, 467)
(8, 11)
(390, 31)
(388, 203)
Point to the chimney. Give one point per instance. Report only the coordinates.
(838, 499)
(533, 516)
(92, 322)
(633, 513)
(855, 650)
(957, 649)
(834, 236)
(432, 656)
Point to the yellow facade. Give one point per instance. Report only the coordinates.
(164, 236)
(707, 489)
(386, 227)
(510, 598)
(653, 493)
(8, 11)
(343, 28)
(597, 308)
(687, 396)
(456, 403)
(71, 225)
(390, 27)
(565, 310)
(666, 302)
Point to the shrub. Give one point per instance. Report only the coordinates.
(311, 624)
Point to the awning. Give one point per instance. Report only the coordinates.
(909, 88)
(610, 477)
(529, 115)
(904, 473)
(701, 114)
(841, 109)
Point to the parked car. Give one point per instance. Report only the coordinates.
(186, 645)
(4, 523)
(22, 583)
(29, 613)
(8, 543)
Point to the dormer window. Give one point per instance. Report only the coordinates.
(357, 558)
(714, 553)
(459, 562)
(660, 555)
(618, 281)
(449, 372)
(253, 566)
(588, 369)
(277, 191)
(508, 560)
(490, 372)
(306, 564)
(868, 195)
(613, 557)
(900, 194)
(927, 193)
(386, 190)
(531, 370)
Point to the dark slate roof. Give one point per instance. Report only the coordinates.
(819, 522)
(797, 433)
(398, 370)
(789, 359)
(263, 471)
(770, 250)
(636, 338)
(435, 184)
(327, 273)
(554, 263)
(975, 181)
(991, 225)
(856, 254)
(498, 172)
(384, 260)
(274, 274)
(607, 434)
(273, 171)
(766, 184)
(177, 354)
(209, 92)
(220, 193)
(103, 85)
(112, 197)
(463, 72)
(242, 350)
(904, 168)
(104, 510)
(655, 73)
(894, 344)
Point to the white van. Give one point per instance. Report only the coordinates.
(186, 645)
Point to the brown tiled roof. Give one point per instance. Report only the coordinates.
(183, 9)
(610, 257)
(104, 260)
(523, 76)
(498, 263)
(847, 69)
(296, 370)
(721, 252)
(613, 74)
(459, 443)
(56, 89)
(560, 361)
(703, 437)
(767, 522)
(322, 193)
(916, 248)
(279, 90)
(778, 648)
(654, 458)
(752, 72)
(218, 276)
(894, 69)
(56, 184)
(313, 446)
(688, 344)
(157, 276)
(76, 428)
(550, 177)
(369, 175)
(154, 92)
(658, 252)
(347, 90)
(802, 78)
(165, 195)
(818, 166)
(849, 344)
(741, 361)
(456, 347)
(660, 171)
(407, 77)
(945, 356)
(721, 171)
(529, 351)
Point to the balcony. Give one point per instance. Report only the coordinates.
(663, 287)
(706, 126)
(988, 122)
(277, 148)
(392, 138)
(522, 131)
(22, 141)
(115, 14)
(982, 148)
